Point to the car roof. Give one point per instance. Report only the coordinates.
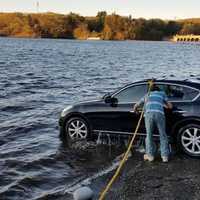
(180, 82)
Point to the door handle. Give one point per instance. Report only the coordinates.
(179, 111)
(139, 111)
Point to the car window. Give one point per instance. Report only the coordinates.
(132, 94)
(178, 93)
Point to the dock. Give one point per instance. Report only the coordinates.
(186, 38)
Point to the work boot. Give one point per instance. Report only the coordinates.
(165, 159)
(148, 158)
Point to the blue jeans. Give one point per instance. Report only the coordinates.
(152, 120)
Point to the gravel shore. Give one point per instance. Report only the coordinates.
(177, 180)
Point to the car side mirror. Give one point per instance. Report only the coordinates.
(111, 100)
(106, 95)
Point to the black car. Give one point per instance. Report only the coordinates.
(112, 114)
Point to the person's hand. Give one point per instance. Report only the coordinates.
(168, 105)
(135, 109)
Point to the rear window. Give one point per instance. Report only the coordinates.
(178, 93)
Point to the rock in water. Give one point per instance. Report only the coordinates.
(83, 193)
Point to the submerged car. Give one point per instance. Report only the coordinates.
(112, 114)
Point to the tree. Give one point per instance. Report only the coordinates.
(81, 32)
(101, 20)
(172, 28)
(114, 28)
(190, 28)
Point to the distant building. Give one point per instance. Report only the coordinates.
(186, 38)
(93, 38)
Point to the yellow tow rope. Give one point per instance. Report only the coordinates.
(124, 159)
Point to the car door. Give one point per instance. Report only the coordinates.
(118, 117)
(126, 120)
(181, 97)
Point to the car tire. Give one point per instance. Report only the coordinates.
(188, 140)
(77, 129)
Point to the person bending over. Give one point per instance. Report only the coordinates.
(154, 103)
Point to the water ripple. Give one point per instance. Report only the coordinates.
(40, 77)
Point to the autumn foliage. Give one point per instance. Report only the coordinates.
(107, 27)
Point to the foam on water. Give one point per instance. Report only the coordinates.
(88, 181)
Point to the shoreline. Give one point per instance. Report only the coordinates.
(102, 26)
(74, 39)
(179, 179)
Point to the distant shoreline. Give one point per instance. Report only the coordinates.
(74, 39)
(101, 27)
(13, 37)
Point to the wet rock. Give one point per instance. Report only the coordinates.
(83, 193)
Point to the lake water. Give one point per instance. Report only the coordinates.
(39, 77)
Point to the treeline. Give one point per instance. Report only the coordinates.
(107, 27)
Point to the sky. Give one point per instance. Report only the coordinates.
(165, 9)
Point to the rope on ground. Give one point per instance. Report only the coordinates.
(124, 159)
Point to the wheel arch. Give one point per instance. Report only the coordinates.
(184, 122)
(74, 115)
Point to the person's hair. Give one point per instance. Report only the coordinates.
(154, 88)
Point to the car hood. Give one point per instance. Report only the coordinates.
(89, 102)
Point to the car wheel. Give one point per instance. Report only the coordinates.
(77, 129)
(189, 140)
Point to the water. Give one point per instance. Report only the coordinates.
(39, 77)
